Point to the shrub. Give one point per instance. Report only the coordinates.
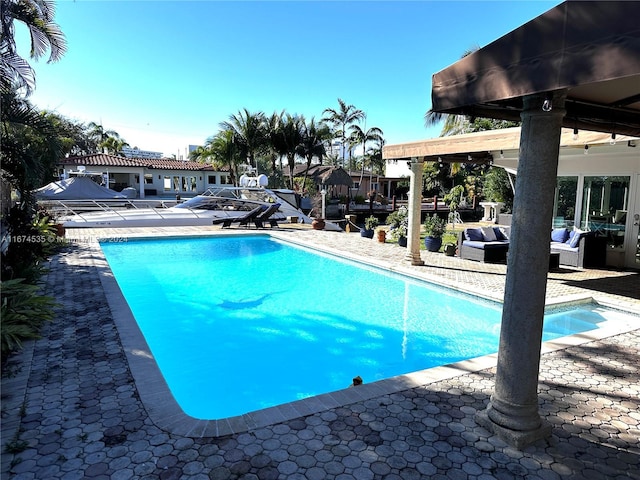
(434, 226)
(23, 311)
(371, 222)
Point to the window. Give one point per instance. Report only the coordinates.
(211, 179)
(604, 207)
(564, 208)
(148, 179)
(167, 184)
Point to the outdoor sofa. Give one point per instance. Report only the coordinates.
(576, 248)
(484, 244)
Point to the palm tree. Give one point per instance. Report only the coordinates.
(114, 145)
(312, 143)
(375, 157)
(100, 137)
(291, 138)
(341, 118)
(37, 16)
(360, 136)
(272, 126)
(249, 130)
(223, 152)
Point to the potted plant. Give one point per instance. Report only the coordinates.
(399, 225)
(434, 228)
(399, 234)
(370, 223)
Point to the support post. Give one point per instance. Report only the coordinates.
(141, 193)
(512, 413)
(415, 203)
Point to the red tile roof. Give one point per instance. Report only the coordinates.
(106, 160)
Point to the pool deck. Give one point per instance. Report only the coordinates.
(84, 398)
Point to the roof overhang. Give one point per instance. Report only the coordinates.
(589, 48)
(485, 145)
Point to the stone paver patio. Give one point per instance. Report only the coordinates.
(72, 409)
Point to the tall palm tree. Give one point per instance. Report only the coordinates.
(312, 143)
(360, 136)
(272, 126)
(249, 129)
(340, 119)
(37, 16)
(291, 137)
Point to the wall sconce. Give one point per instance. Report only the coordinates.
(586, 149)
(575, 134)
(501, 153)
(613, 139)
(409, 164)
(631, 144)
(469, 158)
(547, 105)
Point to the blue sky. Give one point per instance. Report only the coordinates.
(164, 74)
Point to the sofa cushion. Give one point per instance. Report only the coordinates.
(485, 245)
(560, 235)
(489, 234)
(473, 234)
(575, 239)
(565, 247)
(504, 232)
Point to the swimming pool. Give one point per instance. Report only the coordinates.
(241, 323)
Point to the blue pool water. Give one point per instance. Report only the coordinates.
(242, 323)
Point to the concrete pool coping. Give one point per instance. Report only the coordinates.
(165, 412)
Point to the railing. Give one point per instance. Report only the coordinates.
(60, 208)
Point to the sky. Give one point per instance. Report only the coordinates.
(165, 74)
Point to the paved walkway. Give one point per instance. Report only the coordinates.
(71, 408)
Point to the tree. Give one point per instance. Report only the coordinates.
(103, 139)
(340, 119)
(37, 16)
(249, 130)
(114, 145)
(360, 136)
(291, 137)
(31, 145)
(312, 143)
(272, 126)
(375, 157)
(223, 153)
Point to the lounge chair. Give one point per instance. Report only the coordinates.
(241, 219)
(265, 216)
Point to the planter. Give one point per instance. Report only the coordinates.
(366, 233)
(402, 241)
(382, 236)
(433, 244)
(450, 250)
(318, 224)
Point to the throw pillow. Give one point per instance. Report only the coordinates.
(504, 233)
(575, 240)
(559, 235)
(473, 234)
(488, 234)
